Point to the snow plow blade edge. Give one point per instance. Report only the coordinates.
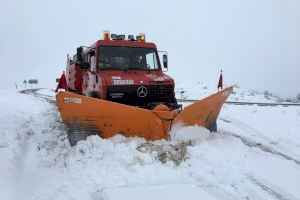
(204, 112)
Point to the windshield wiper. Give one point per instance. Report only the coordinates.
(139, 68)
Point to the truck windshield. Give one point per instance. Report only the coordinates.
(127, 58)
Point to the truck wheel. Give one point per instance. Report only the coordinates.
(76, 136)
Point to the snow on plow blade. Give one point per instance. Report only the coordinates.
(107, 118)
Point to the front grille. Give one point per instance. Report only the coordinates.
(127, 94)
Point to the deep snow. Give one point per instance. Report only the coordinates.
(255, 155)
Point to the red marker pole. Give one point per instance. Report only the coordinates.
(220, 84)
(62, 84)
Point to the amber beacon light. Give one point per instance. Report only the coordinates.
(106, 35)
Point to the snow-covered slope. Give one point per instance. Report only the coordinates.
(255, 155)
(200, 90)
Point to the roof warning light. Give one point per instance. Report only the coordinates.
(106, 35)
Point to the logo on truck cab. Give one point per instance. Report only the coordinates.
(142, 91)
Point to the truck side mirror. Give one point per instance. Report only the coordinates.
(84, 65)
(165, 61)
(80, 54)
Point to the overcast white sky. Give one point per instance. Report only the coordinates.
(257, 42)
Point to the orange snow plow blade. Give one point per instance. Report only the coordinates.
(107, 118)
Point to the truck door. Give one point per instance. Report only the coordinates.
(91, 77)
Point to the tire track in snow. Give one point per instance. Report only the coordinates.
(216, 191)
(266, 148)
(34, 93)
(249, 189)
(254, 132)
(4, 145)
(251, 143)
(246, 191)
(271, 189)
(253, 193)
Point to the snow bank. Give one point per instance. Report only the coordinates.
(38, 163)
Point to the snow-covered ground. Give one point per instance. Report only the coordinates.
(255, 155)
(198, 90)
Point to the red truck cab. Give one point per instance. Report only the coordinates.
(126, 71)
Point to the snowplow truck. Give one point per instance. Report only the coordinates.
(118, 86)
